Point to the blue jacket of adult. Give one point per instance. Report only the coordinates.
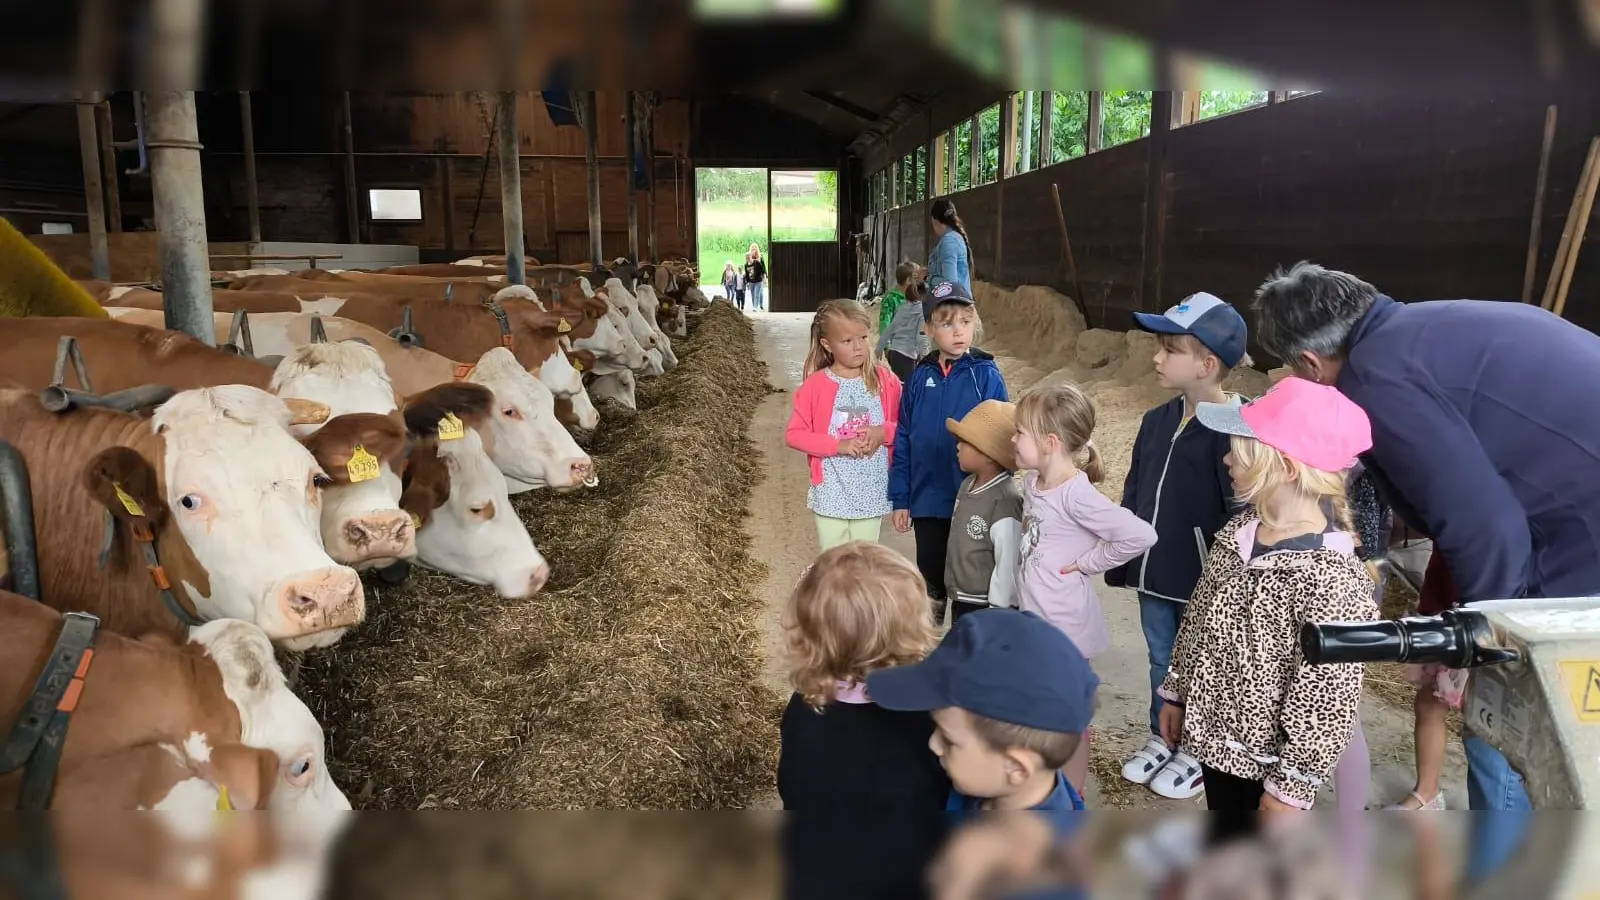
(1486, 437)
(951, 260)
(924, 475)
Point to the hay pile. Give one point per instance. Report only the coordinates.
(633, 680)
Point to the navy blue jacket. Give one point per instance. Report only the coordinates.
(924, 476)
(1486, 437)
(1179, 484)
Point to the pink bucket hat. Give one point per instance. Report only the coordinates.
(1311, 423)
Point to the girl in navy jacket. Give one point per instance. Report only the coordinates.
(924, 476)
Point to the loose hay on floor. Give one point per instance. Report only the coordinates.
(633, 680)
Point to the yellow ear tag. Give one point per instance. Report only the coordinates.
(577, 364)
(128, 503)
(563, 327)
(451, 429)
(363, 466)
(665, 305)
(223, 803)
(416, 522)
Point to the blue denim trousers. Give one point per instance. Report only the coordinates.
(1500, 804)
(1159, 619)
(758, 295)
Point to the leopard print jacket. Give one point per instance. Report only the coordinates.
(1252, 707)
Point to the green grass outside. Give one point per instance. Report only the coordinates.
(728, 229)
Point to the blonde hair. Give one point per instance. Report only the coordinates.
(1065, 411)
(945, 313)
(1055, 748)
(904, 272)
(1266, 471)
(1188, 343)
(819, 358)
(859, 608)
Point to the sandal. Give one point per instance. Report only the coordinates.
(1422, 804)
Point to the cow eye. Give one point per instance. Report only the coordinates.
(478, 510)
(191, 502)
(300, 770)
(321, 480)
(511, 412)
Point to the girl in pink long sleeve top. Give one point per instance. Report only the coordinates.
(1070, 531)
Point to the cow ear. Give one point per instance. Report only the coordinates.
(380, 438)
(247, 773)
(472, 403)
(426, 484)
(306, 412)
(124, 482)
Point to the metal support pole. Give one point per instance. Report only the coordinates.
(591, 157)
(1027, 131)
(108, 167)
(632, 119)
(1155, 200)
(180, 208)
(511, 188)
(252, 200)
(352, 213)
(94, 199)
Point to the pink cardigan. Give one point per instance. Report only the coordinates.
(813, 411)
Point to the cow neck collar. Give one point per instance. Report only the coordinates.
(504, 321)
(37, 740)
(145, 537)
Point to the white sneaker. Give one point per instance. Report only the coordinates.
(1180, 778)
(1144, 765)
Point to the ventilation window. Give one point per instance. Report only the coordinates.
(395, 204)
(57, 228)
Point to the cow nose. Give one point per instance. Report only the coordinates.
(582, 472)
(380, 535)
(329, 599)
(536, 581)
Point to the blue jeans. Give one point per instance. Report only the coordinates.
(1500, 805)
(1159, 619)
(758, 295)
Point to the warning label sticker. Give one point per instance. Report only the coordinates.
(1582, 678)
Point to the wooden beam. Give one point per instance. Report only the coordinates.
(631, 119)
(510, 156)
(447, 196)
(1155, 201)
(352, 214)
(591, 130)
(94, 199)
(1008, 136)
(843, 105)
(937, 166)
(1096, 118)
(108, 164)
(252, 199)
(1047, 129)
(1530, 269)
(975, 153)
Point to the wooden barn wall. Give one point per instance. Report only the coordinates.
(1426, 198)
(436, 144)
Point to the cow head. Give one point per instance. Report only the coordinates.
(457, 494)
(611, 345)
(347, 376)
(618, 386)
(362, 522)
(627, 305)
(234, 501)
(526, 442)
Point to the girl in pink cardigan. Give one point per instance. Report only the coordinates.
(844, 421)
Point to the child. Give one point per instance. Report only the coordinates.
(1267, 728)
(900, 337)
(844, 420)
(1070, 531)
(1439, 690)
(946, 384)
(1179, 484)
(861, 607)
(730, 284)
(980, 567)
(1011, 699)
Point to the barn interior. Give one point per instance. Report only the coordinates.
(1106, 158)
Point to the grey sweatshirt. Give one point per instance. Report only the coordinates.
(905, 332)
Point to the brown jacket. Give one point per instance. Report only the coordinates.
(1253, 708)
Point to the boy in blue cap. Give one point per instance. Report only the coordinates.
(1178, 483)
(1011, 698)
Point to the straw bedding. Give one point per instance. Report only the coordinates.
(633, 679)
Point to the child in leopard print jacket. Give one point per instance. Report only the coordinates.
(1267, 728)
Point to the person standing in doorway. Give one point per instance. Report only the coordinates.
(730, 284)
(951, 259)
(755, 277)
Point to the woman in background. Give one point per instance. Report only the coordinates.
(755, 276)
(951, 258)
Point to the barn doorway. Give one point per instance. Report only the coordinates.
(787, 213)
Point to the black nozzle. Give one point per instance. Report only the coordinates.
(1459, 638)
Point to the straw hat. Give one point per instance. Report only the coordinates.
(990, 427)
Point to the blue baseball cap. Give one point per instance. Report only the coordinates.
(1003, 664)
(942, 293)
(1209, 319)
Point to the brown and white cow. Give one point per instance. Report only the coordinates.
(166, 724)
(399, 287)
(229, 497)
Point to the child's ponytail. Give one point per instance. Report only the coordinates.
(1092, 464)
(1342, 516)
(1065, 411)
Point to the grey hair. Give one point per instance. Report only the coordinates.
(1310, 309)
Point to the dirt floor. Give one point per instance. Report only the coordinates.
(1036, 336)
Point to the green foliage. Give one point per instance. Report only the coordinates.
(1125, 116)
(989, 161)
(1070, 131)
(1220, 103)
(731, 185)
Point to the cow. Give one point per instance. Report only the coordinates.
(165, 723)
(206, 509)
(404, 287)
(617, 386)
(649, 307)
(360, 455)
(450, 477)
(443, 270)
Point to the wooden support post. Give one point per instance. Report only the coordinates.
(94, 199)
(1155, 200)
(1047, 128)
(251, 198)
(951, 164)
(975, 154)
(937, 167)
(1096, 118)
(510, 157)
(1566, 232)
(1008, 136)
(352, 208)
(1026, 150)
(632, 120)
(1539, 182)
(108, 166)
(173, 139)
(1583, 205)
(766, 251)
(448, 199)
(591, 130)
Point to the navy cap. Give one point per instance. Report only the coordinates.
(1003, 664)
(1209, 319)
(942, 293)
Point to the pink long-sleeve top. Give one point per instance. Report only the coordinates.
(810, 419)
(1074, 524)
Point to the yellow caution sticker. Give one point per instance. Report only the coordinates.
(1582, 678)
(563, 327)
(363, 466)
(451, 429)
(128, 503)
